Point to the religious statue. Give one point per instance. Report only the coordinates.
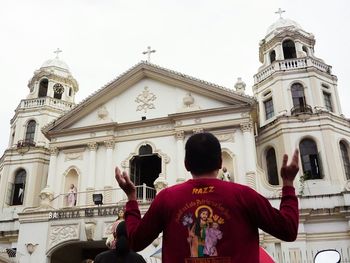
(72, 196)
(225, 176)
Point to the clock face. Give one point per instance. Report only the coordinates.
(58, 88)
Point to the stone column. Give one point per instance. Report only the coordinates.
(249, 153)
(109, 171)
(92, 146)
(279, 52)
(51, 182)
(180, 171)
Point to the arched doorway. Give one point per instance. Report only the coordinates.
(78, 251)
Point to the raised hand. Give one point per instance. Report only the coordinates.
(125, 183)
(288, 172)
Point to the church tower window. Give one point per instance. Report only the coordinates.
(310, 159)
(272, 56)
(70, 92)
(269, 112)
(58, 91)
(289, 49)
(271, 165)
(43, 88)
(328, 101)
(30, 132)
(346, 159)
(18, 187)
(298, 96)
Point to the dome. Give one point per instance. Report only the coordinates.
(55, 62)
(282, 22)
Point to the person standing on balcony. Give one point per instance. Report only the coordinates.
(225, 176)
(72, 196)
(238, 211)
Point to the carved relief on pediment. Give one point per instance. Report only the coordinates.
(189, 103)
(145, 100)
(102, 113)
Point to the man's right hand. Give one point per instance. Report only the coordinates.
(125, 184)
(288, 172)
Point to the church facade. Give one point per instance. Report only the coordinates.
(141, 120)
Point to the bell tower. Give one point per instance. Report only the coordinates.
(25, 162)
(299, 107)
(302, 83)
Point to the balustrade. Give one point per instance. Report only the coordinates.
(46, 101)
(288, 64)
(144, 194)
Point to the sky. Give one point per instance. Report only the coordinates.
(217, 41)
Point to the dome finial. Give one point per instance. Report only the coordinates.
(57, 51)
(280, 12)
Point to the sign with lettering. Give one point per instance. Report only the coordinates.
(87, 212)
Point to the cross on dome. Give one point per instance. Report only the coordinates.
(148, 52)
(57, 51)
(280, 12)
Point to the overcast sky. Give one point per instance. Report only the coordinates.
(216, 41)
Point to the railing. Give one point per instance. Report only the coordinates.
(301, 109)
(45, 101)
(23, 146)
(288, 64)
(25, 143)
(110, 196)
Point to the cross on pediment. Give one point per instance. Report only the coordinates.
(148, 52)
(280, 12)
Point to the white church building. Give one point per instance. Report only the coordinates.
(141, 121)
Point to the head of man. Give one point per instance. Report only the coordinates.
(203, 154)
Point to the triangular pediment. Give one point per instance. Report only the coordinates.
(147, 91)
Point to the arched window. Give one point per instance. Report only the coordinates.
(43, 88)
(298, 95)
(346, 160)
(289, 49)
(30, 132)
(58, 90)
(305, 50)
(145, 168)
(70, 92)
(18, 187)
(271, 165)
(272, 56)
(145, 150)
(310, 159)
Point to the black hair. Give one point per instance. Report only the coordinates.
(122, 247)
(203, 153)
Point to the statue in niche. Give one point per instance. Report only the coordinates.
(72, 196)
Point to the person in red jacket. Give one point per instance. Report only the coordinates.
(206, 219)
